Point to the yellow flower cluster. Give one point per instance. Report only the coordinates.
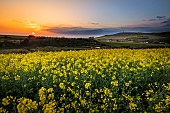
(2, 110)
(25, 105)
(101, 80)
(62, 86)
(87, 85)
(6, 101)
(47, 100)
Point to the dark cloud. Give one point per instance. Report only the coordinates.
(157, 18)
(162, 24)
(161, 17)
(166, 23)
(163, 27)
(152, 20)
(81, 30)
(86, 32)
(93, 23)
(140, 29)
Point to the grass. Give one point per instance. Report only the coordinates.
(46, 48)
(12, 37)
(152, 38)
(133, 45)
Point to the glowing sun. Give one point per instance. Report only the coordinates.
(33, 33)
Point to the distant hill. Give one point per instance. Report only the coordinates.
(12, 37)
(14, 41)
(163, 37)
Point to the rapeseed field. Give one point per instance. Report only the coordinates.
(99, 80)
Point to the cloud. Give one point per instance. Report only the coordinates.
(18, 21)
(93, 23)
(166, 23)
(29, 24)
(81, 30)
(157, 18)
(161, 24)
(147, 29)
(139, 29)
(152, 20)
(161, 17)
(158, 24)
(86, 32)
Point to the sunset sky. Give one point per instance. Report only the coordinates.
(83, 17)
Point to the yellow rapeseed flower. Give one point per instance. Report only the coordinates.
(87, 85)
(50, 107)
(2, 110)
(26, 105)
(114, 83)
(50, 90)
(5, 101)
(17, 77)
(62, 85)
(132, 106)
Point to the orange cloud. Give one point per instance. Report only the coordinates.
(29, 24)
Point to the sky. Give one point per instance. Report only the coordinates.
(83, 18)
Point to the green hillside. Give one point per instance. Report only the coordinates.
(152, 38)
